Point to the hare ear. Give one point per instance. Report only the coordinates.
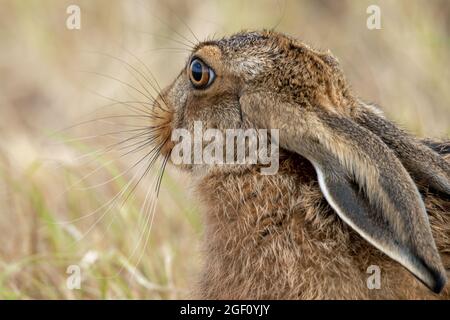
(360, 177)
(420, 160)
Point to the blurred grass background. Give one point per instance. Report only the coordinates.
(58, 197)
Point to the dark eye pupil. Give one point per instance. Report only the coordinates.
(200, 75)
(197, 71)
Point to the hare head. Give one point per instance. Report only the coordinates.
(366, 166)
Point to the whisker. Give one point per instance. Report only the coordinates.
(120, 81)
(190, 47)
(107, 134)
(147, 112)
(152, 213)
(123, 191)
(110, 147)
(152, 161)
(282, 14)
(167, 49)
(135, 69)
(98, 119)
(146, 221)
(83, 217)
(129, 139)
(106, 106)
(168, 25)
(104, 151)
(147, 226)
(141, 145)
(183, 22)
(158, 89)
(166, 158)
(118, 194)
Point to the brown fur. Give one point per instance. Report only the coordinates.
(276, 237)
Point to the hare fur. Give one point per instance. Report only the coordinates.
(280, 236)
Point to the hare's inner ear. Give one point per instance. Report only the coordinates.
(355, 208)
(360, 177)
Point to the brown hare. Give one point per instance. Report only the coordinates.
(352, 189)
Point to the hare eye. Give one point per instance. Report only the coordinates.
(200, 74)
